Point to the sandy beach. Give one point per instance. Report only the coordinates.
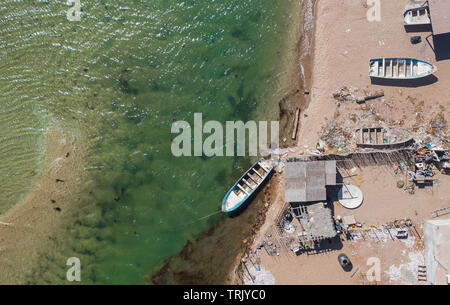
(28, 229)
(344, 41)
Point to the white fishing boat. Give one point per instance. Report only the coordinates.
(400, 68)
(246, 186)
(417, 16)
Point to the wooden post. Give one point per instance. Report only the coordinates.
(249, 274)
(357, 269)
(390, 233)
(296, 119)
(414, 227)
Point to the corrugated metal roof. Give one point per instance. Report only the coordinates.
(330, 172)
(295, 176)
(305, 181)
(440, 16)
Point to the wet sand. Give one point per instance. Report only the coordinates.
(27, 229)
(344, 41)
(297, 77)
(207, 258)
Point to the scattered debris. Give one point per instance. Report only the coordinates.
(259, 276)
(346, 94)
(406, 273)
(337, 135)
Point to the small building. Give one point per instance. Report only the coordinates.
(440, 16)
(306, 191)
(307, 181)
(437, 249)
(440, 23)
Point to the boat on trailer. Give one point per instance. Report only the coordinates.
(417, 16)
(400, 68)
(246, 186)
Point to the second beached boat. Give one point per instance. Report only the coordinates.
(246, 186)
(400, 68)
(382, 137)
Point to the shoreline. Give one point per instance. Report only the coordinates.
(31, 224)
(299, 76)
(303, 72)
(247, 224)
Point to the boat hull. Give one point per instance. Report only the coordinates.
(400, 68)
(241, 205)
(382, 138)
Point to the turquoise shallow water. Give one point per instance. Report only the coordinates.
(120, 77)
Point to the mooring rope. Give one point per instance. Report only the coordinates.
(201, 218)
(192, 222)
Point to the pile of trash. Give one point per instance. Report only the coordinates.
(365, 108)
(343, 94)
(334, 136)
(338, 134)
(434, 133)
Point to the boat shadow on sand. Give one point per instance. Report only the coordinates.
(412, 83)
(418, 28)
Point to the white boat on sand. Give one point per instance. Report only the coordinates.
(400, 68)
(383, 137)
(417, 16)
